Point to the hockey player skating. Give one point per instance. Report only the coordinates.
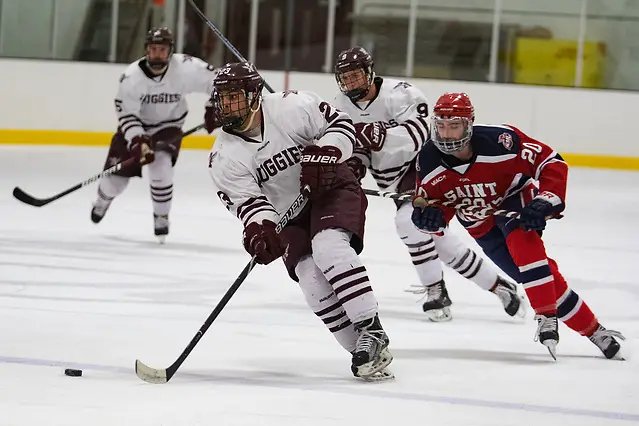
(391, 127)
(500, 166)
(151, 109)
(268, 149)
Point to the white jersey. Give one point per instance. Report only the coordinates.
(146, 103)
(403, 110)
(259, 178)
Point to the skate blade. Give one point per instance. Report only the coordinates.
(161, 238)
(439, 315)
(369, 369)
(551, 345)
(380, 376)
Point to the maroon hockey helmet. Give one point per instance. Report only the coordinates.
(158, 36)
(453, 114)
(237, 94)
(355, 58)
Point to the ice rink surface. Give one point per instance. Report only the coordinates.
(73, 294)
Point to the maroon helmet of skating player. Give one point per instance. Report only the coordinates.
(452, 122)
(354, 72)
(237, 94)
(158, 58)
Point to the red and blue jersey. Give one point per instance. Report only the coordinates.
(505, 162)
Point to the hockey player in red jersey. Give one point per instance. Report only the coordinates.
(499, 166)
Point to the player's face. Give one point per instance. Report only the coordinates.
(158, 52)
(450, 130)
(233, 102)
(354, 79)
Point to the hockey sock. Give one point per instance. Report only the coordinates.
(161, 175)
(345, 272)
(321, 298)
(571, 309)
(112, 186)
(528, 253)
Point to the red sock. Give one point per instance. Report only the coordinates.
(528, 253)
(571, 309)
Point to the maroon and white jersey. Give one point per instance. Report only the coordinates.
(403, 109)
(146, 103)
(258, 177)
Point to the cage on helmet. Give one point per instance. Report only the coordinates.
(451, 111)
(355, 58)
(159, 36)
(231, 81)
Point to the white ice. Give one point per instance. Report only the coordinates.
(73, 294)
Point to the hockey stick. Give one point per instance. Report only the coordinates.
(39, 202)
(227, 43)
(152, 375)
(421, 202)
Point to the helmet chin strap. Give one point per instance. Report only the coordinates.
(249, 125)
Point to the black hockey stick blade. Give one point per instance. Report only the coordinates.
(31, 200)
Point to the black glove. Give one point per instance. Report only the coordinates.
(140, 148)
(212, 116)
(319, 168)
(371, 135)
(430, 219)
(261, 241)
(357, 167)
(533, 216)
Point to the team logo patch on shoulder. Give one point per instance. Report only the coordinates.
(402, 84)
(506, 140)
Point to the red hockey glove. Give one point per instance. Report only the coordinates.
(319, 168)
(357, 167)
(261, 241)
(140, 148)
(212, 117)
(371, 135)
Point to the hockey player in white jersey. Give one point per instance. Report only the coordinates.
(391, 127)
(151, 108)
(269, 148)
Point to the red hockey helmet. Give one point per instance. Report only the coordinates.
(237, 94)
(452, 122)
(354, 59)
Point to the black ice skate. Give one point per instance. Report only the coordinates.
(99, 209)
(161, 224)
(437, 305)
(606, 342)
(548, 332)
(509, 297)
(371, 355)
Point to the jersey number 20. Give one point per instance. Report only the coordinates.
(530, 151)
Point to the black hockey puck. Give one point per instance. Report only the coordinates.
(73, 373)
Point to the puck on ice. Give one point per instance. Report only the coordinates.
(73, 373)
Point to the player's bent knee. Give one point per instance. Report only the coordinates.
(330, 245)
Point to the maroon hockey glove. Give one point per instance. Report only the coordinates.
(261, 241)
(371, 135)
(212, 117)
(141, 149)
(319, 168)
(357, 167)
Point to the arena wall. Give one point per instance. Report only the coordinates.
(71, 103)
